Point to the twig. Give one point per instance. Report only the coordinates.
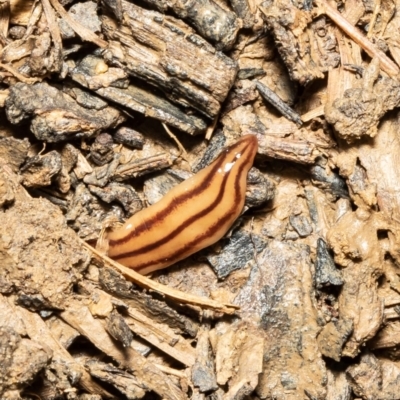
(314, 113)
(278, 103)
(386, 63)
(175, 139)
(174, 294)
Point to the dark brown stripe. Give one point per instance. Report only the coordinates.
(176, 202)
(193, 219)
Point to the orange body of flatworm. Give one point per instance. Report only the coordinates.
(193, 215)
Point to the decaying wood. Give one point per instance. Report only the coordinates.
(93, 73)
(103, 110)
(213, 21)
(266, 294)
(55, 115)
(189, 72)
(360, 109)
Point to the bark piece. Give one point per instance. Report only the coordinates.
(216, 144)
(260, 188)
(393, 39)
(190, 71)
(333, 337)
(161, 337)
(47, 54)
(250, 73)
(18, 49)
(20, 12)
(88, 220)
(288, 204)
(324, 44)
(16, 373)
(278, 294)
(388, 336)
(154, 105)
(63, 372)
(301, 224)
(363, 258)
(297, 44)
(242, 10)
(237, 252)
(152, 308)
(69, 157)
(86, 14)
(140, 167)
(101, 150)
(240, 96)
(372, 378)
(158, 335)
(326, 273)
(45, 57)
(358, 113)
(40, 170)
(338, 386)
(379, 158)
(129, 137)
(127, 384)
(84, 33)
(288, 149)
(239, 358)
(9, 318)
(4, 21)
(213, 22)
(63, 333)
(82, 167)
(13, 151)
(203, 374)
(123, 194)
(366, 377)
(361, 190)
(100, 176)
(115, 7)
(93, 73)
(85, 98)
(119, 329)
(334, 182)
(55, 115)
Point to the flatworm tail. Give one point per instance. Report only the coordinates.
(193, 215)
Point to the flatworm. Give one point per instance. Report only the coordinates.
(193, 215)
